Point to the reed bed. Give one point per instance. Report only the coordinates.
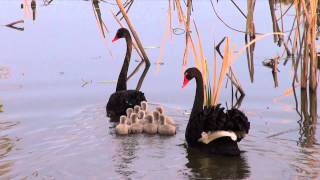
(298, 43)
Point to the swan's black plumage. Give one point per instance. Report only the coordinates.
(205, 119)
(122, 99)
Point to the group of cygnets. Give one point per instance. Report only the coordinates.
(140, 120)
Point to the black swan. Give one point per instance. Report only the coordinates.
(213, 119)
(123, 99)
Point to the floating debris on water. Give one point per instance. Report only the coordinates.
(178, 31)
(1, 107)
(4, 72)
(159, 63)
(151, 47)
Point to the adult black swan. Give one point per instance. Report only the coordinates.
(123, 99)
(226, 129)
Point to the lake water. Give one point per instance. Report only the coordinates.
(54, 124)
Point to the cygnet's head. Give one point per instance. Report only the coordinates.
(149, 118)
(136, 109)
(134, 117)
(159, 109)
(162, 120)
(129, 111)
(156, 115)
(123, 119)
(144, 105)
(141, 114)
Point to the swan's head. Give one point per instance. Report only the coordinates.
(144, 105)
(159, 109)
(136, 109)
(121, 33)
(129, 111)
(123, 119)
(162, 120)
(189, 74)
(156, 115)
(134, 117)
(141, 114)
(149, 118)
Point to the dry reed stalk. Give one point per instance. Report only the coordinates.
(239, 9)
(275, 71)
(180, 12)
(136, 37)
(187, 28)
(305, 59)
(164, 38)
(203, 69)
(313, 33)
(225, 66)
(26, 9)
(258, 37)
(250, 31)
(195, 56)
(170, 19)
(277, 38)
(297, 32)
(233, 78)
(97, 13)
(203, 59)
(14, 23)
(215, 67)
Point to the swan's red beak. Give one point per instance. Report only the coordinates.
(115, 38)
(185, 81)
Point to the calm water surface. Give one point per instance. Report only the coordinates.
(53, 127)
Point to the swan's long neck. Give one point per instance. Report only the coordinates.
(198, 99)
(122, 79)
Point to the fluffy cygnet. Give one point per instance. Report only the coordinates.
(136, 126)
(136, 109)
(150, 127)
(129, 111)
(160, 109)
(122, 128)
(141, 116)
(144, 106)
(170, 121)
(156, 116)
(164, 128)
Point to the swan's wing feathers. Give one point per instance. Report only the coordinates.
(214, 118)
(238, 122)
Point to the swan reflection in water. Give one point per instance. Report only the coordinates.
(205, 165)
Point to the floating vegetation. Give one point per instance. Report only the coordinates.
(87, 82)
(273, 64)
(178, 31)
(13, 25)
(4, 72)
(47, 2)
(1, 107)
